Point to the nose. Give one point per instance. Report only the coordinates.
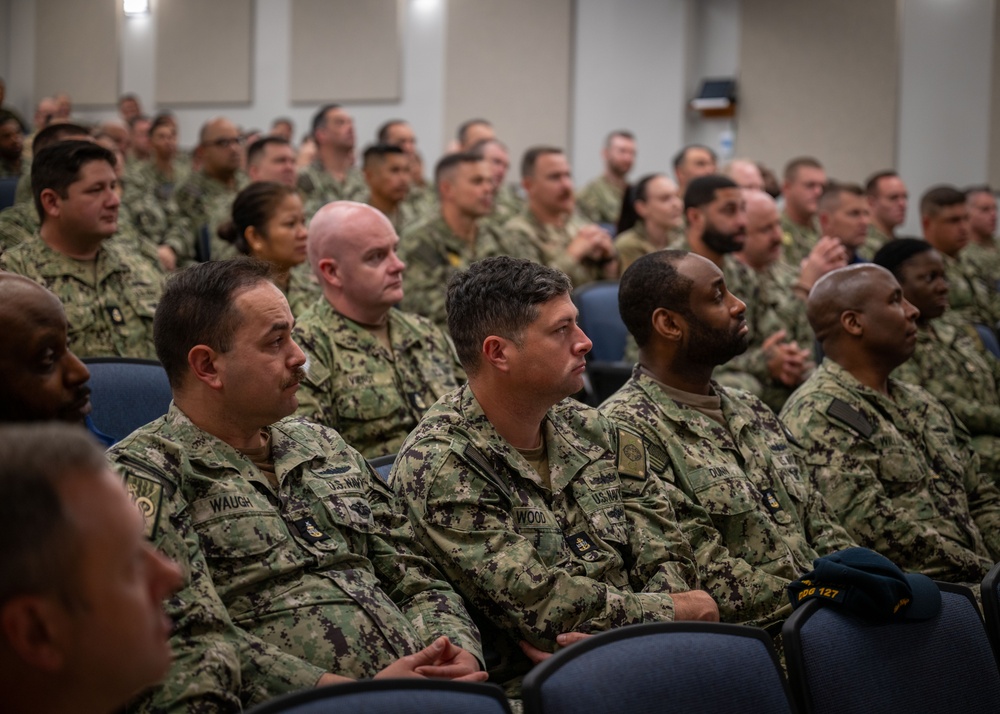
(298, 357)
(76, 371)
(583, 344)
(912, 313)
(738, 307)
(165, 575)
(398, 265)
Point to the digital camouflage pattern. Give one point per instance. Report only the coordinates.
(739, 493)
(899, 473)
(600, 201)
(595, 548)
(433, 253)
(546, 244)
(194, 204)
(109, 301)
(874, 240)
(372, 396)
(983, 261)
(797, 241)
(18, 223)
(971, 299)
(507, 203)
(320, 573)
(303, 290)
(950, 363)
(145, 180)
(319, 188)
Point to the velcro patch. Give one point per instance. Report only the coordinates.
(308, 530)
(583, 546)
(115, 313)
(146, 495)
(532, 518)
(631, 454)
(844, 412)
(771, 502)
(657, 458)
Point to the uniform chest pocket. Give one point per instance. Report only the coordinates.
(539, 527)
(901, 467)
(723, 492)
(368, 397)
(601, 502)
(236, 525)
(344, 503)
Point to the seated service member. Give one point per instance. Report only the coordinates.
(540, 512)
(949, 360)
(109, 294)
(373, 370)
(82, 626)
(892, 461)
(734, 479)
(276, 519)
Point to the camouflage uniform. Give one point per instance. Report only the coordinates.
(318, 187)
(950, 363)
(109, 301)
(9, 170)
(798, 240)
(546, 244)
(320, 572)
(17, 224)
(875, 240)
(738, 492)
(899, 473)
(373, 397)
(421, 202)
(595, 548)
(634, 243)
(303, 290)
(600, 201)
(401, 219)
(971, 299)
(507, 203)
(22, 194)
(984, 261)
(145, 180)
(433, 253)
(195, 201)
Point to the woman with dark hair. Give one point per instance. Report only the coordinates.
(269, 224)
(657, 219)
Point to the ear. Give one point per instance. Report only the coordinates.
(526, 183)
(641, 209)
(496, 352)
(853, 323)
(924, 222)
(202, 361)
(34, 627)
(330, 271)
(694, 216)
(50, 202)
(253, 238)
(668, 324)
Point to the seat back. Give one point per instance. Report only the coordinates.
(839, 663)
(600, 320)
(990, 593)
(392, 696)
(688, 667)
(126, 393)
(8, 191)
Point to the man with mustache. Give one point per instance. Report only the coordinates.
(300, 562)
(373, 370)
(734, 480)
(550, 230)
(893, 463)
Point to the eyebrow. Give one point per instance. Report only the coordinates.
(280, 327)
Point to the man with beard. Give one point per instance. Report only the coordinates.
(715, 209)
(734, 479)
(298, 561)
(550, 230)
(894, 464)
(601, 199)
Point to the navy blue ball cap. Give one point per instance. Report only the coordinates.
(862, 582)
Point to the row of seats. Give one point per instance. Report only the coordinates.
(837, 664)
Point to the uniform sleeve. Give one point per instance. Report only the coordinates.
(823, 529)
(984, 503)
(463, 521)
(410, 577)
(217, 666)
(845, 467)
(424, 280)
(315, 403)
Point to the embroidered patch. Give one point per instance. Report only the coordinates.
(631, 454)
(308, 530)
(146, 495)
(581, 544)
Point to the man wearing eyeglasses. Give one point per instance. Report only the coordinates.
(200, 196)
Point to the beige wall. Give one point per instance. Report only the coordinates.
(68, 52)
(510, 62)
(820, 78)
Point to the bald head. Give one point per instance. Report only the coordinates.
(40, 379)
(352, 248)
(745, 173)
(833, 294)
